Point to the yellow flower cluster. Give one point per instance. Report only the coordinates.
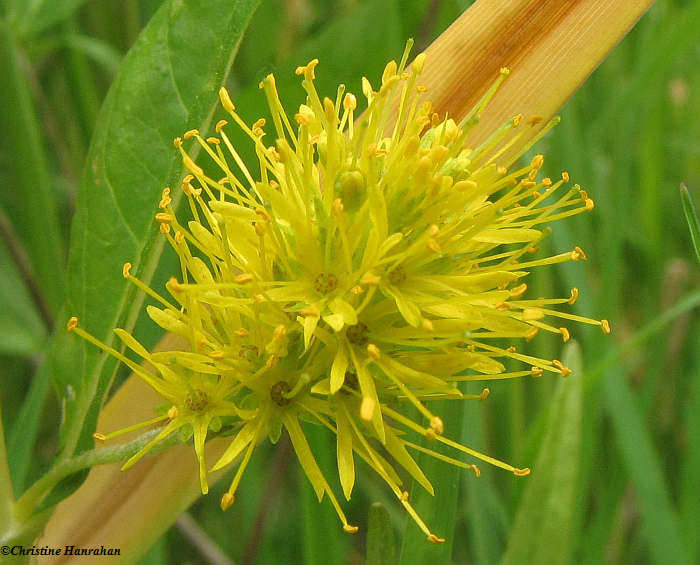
(369, 263)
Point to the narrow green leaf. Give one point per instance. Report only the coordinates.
(691, 217)
(31, 17)
(167, 84)
(31, 203)
(21, 330)
(97, 50)
(439, 512)
(542, 532)
(660, 525)
(6, 496)
(324, 539)
(381, 544)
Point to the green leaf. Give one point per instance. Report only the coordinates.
(31, 17)
(31, 204)
(167, 84)
(543, 528)
(660, 525)
(691, 217)
(21, 330)
(381, 544)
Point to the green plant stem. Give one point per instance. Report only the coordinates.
(38, 491)
(6, 495)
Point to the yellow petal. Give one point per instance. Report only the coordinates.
(346, 463)
(340, 365)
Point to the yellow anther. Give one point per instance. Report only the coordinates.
(535, 194)
(219, 125)
(605, 326)
(191, 165)
(302, 119)
(389, 71)
(532, 313)
(504, 71)
(308, 70)
(434, 246)
(164, 218)
(477, 471)
(349, 102)
(357, 290)
(310, 311)
(418, 63)
(260, 229)
(532, 332)
(537, 161)
(501, 170)
(583, 195)
(574, 296)
(279, 333)
(226, 100)
(367, 408)
(578, 253)
(521, 472)
(126, 270)
(528, 183)
(433, 230)
(338, 207)
(188, 179)
(213, 140)
(350, 529)
(173, 285)
(464, 185)
(172, 413)
(590, 204)
(536, 372)
(437, 425)
(404, 496)
(263, 214)
(518, 291)
(565, 335)
(244, 278)
(565, 176)
(370, 279)
(242, 332)
(227, 500)
(165, 228)
(177, 142)
(190, 133)
(430, 434)
(517, 119)
(546, 181)
(432, 537)
(565, 371)
(179, 237)
(427, 325)
(421, 88)
(271, 362)
(99, 437)
(216, 354)
(373, 351)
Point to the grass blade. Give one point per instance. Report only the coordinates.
(543, 529)
(691, 217)
(381, 544)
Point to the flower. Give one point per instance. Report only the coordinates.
(368, 263)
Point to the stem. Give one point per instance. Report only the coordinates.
(38, 491)
(6, 495)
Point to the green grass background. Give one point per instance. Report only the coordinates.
(615, 449)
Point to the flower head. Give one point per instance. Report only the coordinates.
(367, 263)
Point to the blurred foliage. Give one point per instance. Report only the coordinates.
(623, 488)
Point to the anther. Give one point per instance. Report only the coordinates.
(177, 142)
(605, 326)
(518, 291)
(536, 372)
(427, 325)
(165, 228)
(477, 471)
(242, 332)
(370, 279)
(172, 413)
(220, 124)
(357, 290)
(521, 472)
(437, 425)
(505, 71)
(72, 324)
(574, 296)
(565, 371)
(227, 500)
(350, 529)
(373, 351)
(517, 119)
(404, 496)
(464, 185)
(484, 394)
(430, 434)
(546, 181)
(433, 245)
(349, 102)
(190, 133)
(565, 176)
(244, 278)
(537, 161)
(164, 218)
(99, 437)
(531, 333)
(226, 100)
(432, 537)
(578, 253)
(590, 204)
(565, 335)
(213, 140)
